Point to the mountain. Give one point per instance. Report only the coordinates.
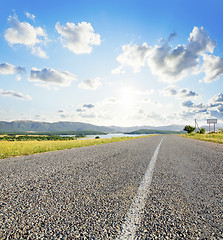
(153, 131)
(217, 127)
(135, 128)
(32, 126)
(25, 126)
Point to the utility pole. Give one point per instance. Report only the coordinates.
(196, 125)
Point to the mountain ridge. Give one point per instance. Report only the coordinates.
(35, 126)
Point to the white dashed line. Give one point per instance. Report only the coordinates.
(133, 217)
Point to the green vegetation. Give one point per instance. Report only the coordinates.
(202, 131)
(33, 138)
(32, 126)
(151, 131)
(78, 133)
(189, 129)
(210, 137)
(19, 148)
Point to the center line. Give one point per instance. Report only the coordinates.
(134, 214)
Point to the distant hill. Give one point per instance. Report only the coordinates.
(135, 128)
(217, 127)
(33, 126)
(150, 131)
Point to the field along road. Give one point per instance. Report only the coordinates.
(150, 188)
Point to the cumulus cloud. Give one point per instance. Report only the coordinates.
(90, 84)
(23, 33)
(171, 65)
(214, 108)
(11, 93)
(6, 68)
(80, 110)
(88, 106)
(168, 63)
(182, 93)
(132, 56)
(52, 76)
(38, 51)
(212, 67)
(80, 38)
(187, 93)
(169, 91)
(190, 104)
(30, 16)
(85, 108)
(217, 98)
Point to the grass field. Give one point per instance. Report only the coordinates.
(20, 148)
(212, 137)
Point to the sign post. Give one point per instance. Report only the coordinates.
(211, 121)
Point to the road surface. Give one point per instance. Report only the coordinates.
(161, 187)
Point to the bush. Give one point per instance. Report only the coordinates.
(97, 137)
(202, 131)
(189, 129)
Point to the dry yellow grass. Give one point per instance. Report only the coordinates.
(19, 148)
(213, 137)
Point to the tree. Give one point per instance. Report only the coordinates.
(189, 129)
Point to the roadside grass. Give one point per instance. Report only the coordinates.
(210, 137)
(20, 148)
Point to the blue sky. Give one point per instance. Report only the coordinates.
(114, 62)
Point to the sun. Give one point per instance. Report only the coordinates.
(127, 97)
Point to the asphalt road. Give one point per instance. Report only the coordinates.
(159, 190)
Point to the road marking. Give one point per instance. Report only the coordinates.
(134, 214)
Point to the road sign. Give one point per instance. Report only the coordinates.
(211, 120)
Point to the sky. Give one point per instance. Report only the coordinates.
(117, 62)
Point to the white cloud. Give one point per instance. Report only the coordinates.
(52, 76)
(25, 34)
(169, 91)
(80, 110)
(132, 56)
(168, 63)
(6, 68)
(217, 98)
(11, 93)
(171, 65)
(30, 16)
(38, 51)
(182, 93)
(90, 84)
(213, 68)
(88, 106)
(78, 38)
(190, 104)
(86, 115)
(214, 108)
